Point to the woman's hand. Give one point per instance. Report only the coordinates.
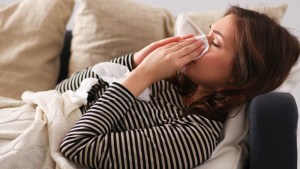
(161, 63)
(165, 61)
(140, 55)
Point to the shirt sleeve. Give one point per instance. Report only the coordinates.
(184, 143)
(73, 82)
(126, 60)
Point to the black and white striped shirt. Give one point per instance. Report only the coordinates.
(119, 131)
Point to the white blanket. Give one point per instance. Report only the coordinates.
(31, 130)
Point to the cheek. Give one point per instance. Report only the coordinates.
(213, 70)
(213, 63)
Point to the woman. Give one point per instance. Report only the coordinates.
(179, 127)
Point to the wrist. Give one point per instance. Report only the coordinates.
(135, 61)
(136, 82)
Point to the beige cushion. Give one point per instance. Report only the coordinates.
(31, 36)
(204, 19)
(231, 152)
(105, 29)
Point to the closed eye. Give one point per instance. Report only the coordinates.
(214, 44)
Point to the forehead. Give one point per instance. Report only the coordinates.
(226, 26)
(227, 21)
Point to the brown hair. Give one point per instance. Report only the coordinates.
(265, 54)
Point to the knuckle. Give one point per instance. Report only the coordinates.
(155, 44)
(177, 47)
(165, 53)
(168, 56)
(174, 43)
(189, 55)
(186, 49)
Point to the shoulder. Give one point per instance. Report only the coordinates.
(214, 126)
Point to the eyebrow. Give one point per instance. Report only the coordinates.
(217, 32)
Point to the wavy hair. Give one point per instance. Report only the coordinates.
(265, 54)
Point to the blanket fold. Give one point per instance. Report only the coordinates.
(32, 129)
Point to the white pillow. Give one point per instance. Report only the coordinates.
(105, 29)
(31, 36)
(232, 151)
(292, 81)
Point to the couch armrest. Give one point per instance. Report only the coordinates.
(273, 121)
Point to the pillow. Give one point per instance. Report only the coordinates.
(232, 151)
(105, 29)
(292, 81)
(203, 20)
(33, 32)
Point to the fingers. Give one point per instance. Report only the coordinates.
(176, 39)
(166, 41)
(182, 39)
(186, 37)
(188, 50)
(153, 46)
(185, 46)
(192, 55)
(169, 41)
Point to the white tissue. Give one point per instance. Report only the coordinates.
(206, 44)
(113, 72)
(81, 94)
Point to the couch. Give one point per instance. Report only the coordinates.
(39, 53)
(273, 119)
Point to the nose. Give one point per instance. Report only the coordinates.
(209, 38)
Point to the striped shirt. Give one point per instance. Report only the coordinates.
(119, 131)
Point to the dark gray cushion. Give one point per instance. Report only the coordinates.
(273, 131)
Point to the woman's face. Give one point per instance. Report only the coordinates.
(213, 69)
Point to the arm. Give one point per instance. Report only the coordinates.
(129, 60)
(91, 141)
(73, 82)
(162, 63)
(140, 55)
